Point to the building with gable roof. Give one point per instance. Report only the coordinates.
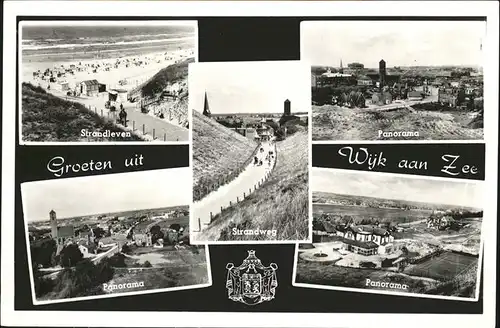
(366, 240)
(89, 88)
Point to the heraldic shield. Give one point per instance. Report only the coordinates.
(251, 283)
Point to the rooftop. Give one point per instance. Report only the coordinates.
(366, 245)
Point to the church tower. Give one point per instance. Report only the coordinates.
(382, 74)
(53, 224)
(341, 70)
(206, 107)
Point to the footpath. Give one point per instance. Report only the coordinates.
(245, 184)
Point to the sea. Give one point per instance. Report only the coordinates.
(73, 43)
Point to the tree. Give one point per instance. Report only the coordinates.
(104, 272)
(318, 225)
(42, 285)
(43, 253)
(117, 260)
(461, 96)
(156, 233)
(99, 232)
(175, 226)
(126, 249)
(356, 65)
(147, 264)
(155, 229)
(70, 256)
(84, 280)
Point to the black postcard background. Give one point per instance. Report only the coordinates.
(226, 39)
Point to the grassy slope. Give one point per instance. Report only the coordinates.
(168, 75)
(217, 150)
(153, 88)
(281, 203)
(463, 285)
(328, 274)
(46, 117)
(334, 123)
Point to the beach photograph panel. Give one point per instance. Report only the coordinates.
(105, 81)
(250, 151)
(87, 241)
(395, 80)
(384, 233)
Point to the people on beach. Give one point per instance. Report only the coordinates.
(123, 116)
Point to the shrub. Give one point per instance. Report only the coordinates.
(367, 264)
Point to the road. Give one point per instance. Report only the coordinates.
(234, 191)
(402, 104)
(164, 131)
(55, 271)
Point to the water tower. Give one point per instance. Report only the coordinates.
(382, 73)
(287, 110)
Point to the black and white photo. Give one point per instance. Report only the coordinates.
(395, 80)
(105, 81)
(384, 233)
(102, 236)
(250, 151)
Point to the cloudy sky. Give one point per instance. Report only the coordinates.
(395, 187)
(407, 43)
(106, 193)
(250, 87)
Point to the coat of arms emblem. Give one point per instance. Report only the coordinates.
(251, 283)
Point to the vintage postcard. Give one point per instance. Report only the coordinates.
(104, 81)
(395, 80)
(87, 241)
(393, 234)
(251, 152)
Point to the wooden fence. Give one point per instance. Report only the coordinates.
(140, 130)
(208, 184)
(242, 197)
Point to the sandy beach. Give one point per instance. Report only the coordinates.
(107, 72)
(124, 73)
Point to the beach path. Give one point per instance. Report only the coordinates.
(164, 130)
(233, 192)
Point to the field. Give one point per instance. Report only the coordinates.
(330, 199)
(46, 117)
(218, 154)
(328, 274)
(442, 267)
(159, 278)
(164, 224)
(165, 256)
(335, 123)
(281, 203)
(382, 214)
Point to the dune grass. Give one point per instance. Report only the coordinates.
(46, 117)
(219, 155)
(155, 85)
(281, 204)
